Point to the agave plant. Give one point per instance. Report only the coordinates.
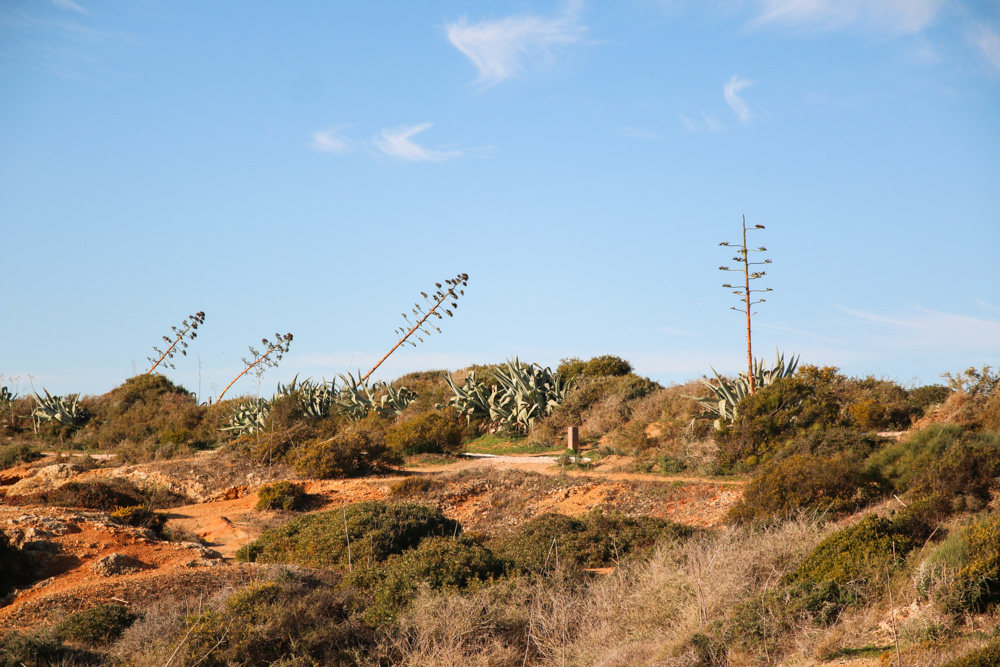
(248, 417)
(472, 399)
(357, 399)
(315, 398)
(722, 406)
(394, 401)
(524, 393)
(56, 408)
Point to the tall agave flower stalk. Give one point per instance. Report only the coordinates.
(744, 291)
(186, 330)
(268, 358)
(445, 296)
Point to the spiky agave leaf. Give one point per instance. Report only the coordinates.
(727, 394)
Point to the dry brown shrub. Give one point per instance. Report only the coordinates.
(655, 608)
(485, 628)
(603, 416)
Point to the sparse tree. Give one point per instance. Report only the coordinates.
(744, 291)
(186, 330)
(262, 360)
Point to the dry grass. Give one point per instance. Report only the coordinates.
(483, 629)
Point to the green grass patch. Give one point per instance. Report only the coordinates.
(503, 446)
(869, 651)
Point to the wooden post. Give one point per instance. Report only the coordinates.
(573, 439)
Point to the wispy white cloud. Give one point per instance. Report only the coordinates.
(330, 141)
(711, 123)
(986, 39)
(500, 48)
(70, 5)
(635, 133)
(707, 122)
(397, 143)
(923, 328)
(732, 92)
(984, 304)
(893, 16)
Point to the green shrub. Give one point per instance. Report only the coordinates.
(942, 460)
(40, 648)
(834, 441)
(837, 484)
(414, 485)
(152, 411)
(878, 405)
(376, 529)
(775, 414)
(431, 390)
(16, 569)
(857, 556)
(431, 433)
(437, 563)
(298, 619)
(900, 462)
(965, 474)
(847, 568)
(359, 450)
(606, 365)
(98, 625)
(928, 396)
(11, 455)
(554, 540)
(987, 656)
(281, 496)
(980, 576)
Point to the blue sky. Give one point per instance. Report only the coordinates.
(311, 168)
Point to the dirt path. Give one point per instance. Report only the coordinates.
(549, 465)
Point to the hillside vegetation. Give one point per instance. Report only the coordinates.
(867, 531)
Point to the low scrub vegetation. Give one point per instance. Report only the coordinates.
(106, 495)
(844, 522)
(98, 625)
(281, 495)
(366, 532)
(552, 542)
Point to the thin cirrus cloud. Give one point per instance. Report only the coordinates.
(706, 122)
(893, 16)
(330, 141)
(398, 143)
(501, 48)
(933, 330)
(987, 41)
(732, 93)
(70, 5)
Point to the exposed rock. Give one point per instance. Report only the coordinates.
(44, 479)
(203, 551)
(116, 564)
